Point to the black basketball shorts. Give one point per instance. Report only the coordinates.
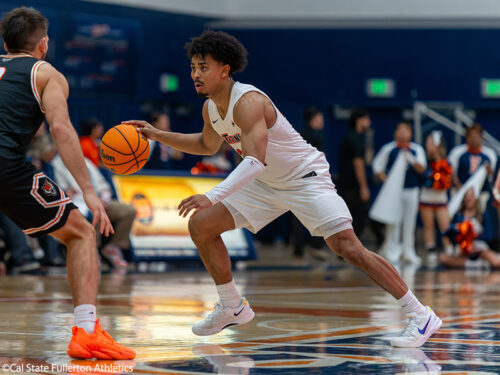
(31, 199)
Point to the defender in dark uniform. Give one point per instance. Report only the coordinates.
(31, 90)
(34, 202)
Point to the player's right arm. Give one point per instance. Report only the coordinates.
(54, 91)
(207, 142)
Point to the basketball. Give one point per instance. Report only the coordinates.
(124, 150)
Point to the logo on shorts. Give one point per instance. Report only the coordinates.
(48, 188)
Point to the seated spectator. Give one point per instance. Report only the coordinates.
(466, 159)
(120, 214)
(21, 258)
(42, 151)
(91, 132)
(221, 162)
(470, 230)
(161, 155)
(3, 267)
(3, 254)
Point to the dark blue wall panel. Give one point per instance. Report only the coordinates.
(295, 67)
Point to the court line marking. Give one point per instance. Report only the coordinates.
(342, 333)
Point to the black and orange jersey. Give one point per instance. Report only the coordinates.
(20, 107)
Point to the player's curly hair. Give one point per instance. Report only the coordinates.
(221, 46)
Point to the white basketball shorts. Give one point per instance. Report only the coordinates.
(313, 200)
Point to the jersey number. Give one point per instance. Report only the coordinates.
(2, 71)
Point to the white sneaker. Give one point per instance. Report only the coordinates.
(223, 317)
(410, 256)
(418, 328)
(393, 254)
(414, 360)
(222, 362)
(432, 259)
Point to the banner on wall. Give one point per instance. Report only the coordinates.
(158, 231)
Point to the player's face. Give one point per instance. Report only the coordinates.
(207, 74)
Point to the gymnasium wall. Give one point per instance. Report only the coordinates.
(322, 67)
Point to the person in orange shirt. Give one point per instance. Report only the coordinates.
(91, 131)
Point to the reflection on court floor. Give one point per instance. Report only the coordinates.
(311, 321)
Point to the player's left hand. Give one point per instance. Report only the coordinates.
(196, 202)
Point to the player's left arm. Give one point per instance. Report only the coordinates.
(249, 114)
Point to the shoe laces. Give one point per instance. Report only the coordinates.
(217, 308)
(111, 339)
(411, 326)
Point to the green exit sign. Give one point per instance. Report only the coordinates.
(490, 88)
(169, 82)
(380, 88)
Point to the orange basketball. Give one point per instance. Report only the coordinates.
(124, 150)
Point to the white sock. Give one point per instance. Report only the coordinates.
(85, 317)
(229, 295)
(449, 250)
(410, 304)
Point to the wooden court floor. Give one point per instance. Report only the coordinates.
(323, 320)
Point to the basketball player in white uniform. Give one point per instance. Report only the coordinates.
(279, 172)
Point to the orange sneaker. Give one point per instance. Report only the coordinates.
(99, 345)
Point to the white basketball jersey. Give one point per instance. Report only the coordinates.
(288, 155)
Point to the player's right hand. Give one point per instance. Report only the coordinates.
(144, 127)
(99, 213)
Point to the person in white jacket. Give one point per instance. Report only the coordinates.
(400, 237)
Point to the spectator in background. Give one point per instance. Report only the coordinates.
(222, 161)
(41, 152)
(3, 267)
(414, 154)
(160, 155)
(121, 215)
(313, 134)
(313, 131)
(467, 158)
(21, 258)
(496, 203)
(434, 195)
(352, 181)
(470, 230)
(91, 132)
